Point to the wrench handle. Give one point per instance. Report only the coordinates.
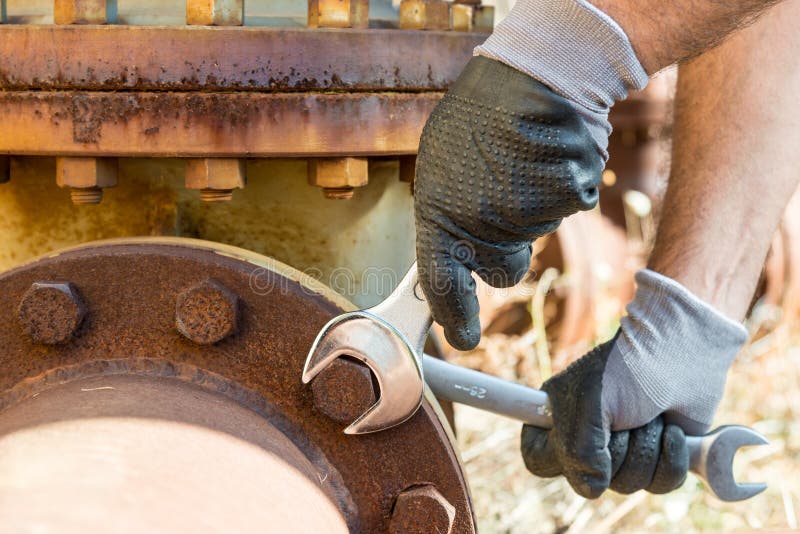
(407, 311)
(710, 456)
(492, 394)
(486, 392)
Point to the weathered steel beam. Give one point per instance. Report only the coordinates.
(161, 124)
(229, 58)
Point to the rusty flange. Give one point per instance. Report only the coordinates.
(130, 290)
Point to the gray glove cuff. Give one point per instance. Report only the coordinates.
(573, 48)
(676, 347)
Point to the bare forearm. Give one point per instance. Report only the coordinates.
(735, 161)
(666, 32)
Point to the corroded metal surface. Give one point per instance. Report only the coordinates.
(344, 391)
(51, 312)
(131, 289)
(212, 124)
(230, 58)
(420, 510)
(207, 313)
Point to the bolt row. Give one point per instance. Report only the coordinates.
(215, 178)
(53, 313)
(458, 15)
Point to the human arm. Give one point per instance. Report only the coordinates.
(572, 53)
(734, 168)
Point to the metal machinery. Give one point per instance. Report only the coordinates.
(154, 383)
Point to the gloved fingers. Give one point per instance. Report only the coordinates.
(503, 270)
(538, 452)
(673, 463)
(639, 467)
(587, 463)
(618, 448)
(450, 290)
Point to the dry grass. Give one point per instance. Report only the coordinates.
(762, 392)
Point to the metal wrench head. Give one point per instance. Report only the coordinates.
(389, 355)
(713, 461)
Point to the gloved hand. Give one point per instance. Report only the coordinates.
(518, 143)
(668, 362)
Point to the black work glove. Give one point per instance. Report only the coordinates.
(501, 161)
(581, 446)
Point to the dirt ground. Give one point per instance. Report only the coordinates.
(762, 392)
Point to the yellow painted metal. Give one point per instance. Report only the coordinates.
(359, 247)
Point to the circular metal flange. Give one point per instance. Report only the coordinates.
(130, 289)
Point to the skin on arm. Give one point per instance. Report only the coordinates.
(735, 161)
(666, 32)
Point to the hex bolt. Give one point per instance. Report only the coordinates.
(207, 312)
(84, 11)
(338, 177)
(338, 13)
(473, 18)
(421, 510)
(86, 177)
(215, 12)
(424, 15)
(344, 390)
(51, 312)
(216, 178)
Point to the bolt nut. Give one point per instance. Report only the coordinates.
(473, 18)
(420, 510)
(338, 13)
(51, 312)
(424, 15)
(86, 177)
(83, 11)
(344, 390)
(207, 312)
(215, 12)
(338, 176)
(216, 178)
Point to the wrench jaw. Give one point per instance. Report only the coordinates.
(386, 352)
(712, 460)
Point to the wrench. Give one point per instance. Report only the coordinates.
(389, 339)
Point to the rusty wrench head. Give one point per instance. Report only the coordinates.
(389, 339)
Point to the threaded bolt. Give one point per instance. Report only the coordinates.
(216, 195)
(207, 313)
(338, 193)
(88, 195)
(344, 390)
(51, 312)
(420, 510)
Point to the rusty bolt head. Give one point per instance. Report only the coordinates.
(51, 312)
(344, 390)
(215, 12)
(338, 13)
(424, 15)
(207, 312)
(421, 510)
(82, 12)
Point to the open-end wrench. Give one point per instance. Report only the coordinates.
(389, 339)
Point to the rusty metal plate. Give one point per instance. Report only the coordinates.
(212, 124)
(230, 58)
(130, 291)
